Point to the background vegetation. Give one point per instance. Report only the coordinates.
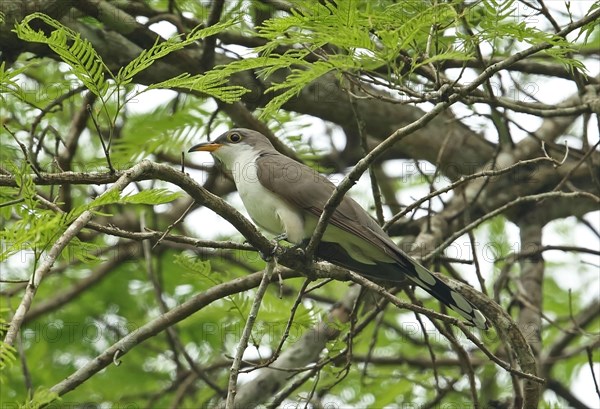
(472, 127)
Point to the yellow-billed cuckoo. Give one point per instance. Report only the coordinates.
(285, 197)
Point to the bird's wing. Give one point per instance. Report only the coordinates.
(309, 190)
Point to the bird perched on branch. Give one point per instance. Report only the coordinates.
(286, 198)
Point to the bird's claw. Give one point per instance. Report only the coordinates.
(276, 240)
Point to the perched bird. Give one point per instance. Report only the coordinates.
(286, 198)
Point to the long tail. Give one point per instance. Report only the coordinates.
(406, 267)
(440, 290)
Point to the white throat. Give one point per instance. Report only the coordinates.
(240, 160)
(266, 208)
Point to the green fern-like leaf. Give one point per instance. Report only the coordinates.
(41, 398)
(293, 84)
(87, 65)
(147, 197)
(7, 352)
(35, 227)
(193, 264)
(198, 269)
(150, 197)
(211, 83)
(160, 50)
(7, 84)
(7, 356)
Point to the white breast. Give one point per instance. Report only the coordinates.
(267, 209)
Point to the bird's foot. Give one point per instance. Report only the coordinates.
(306, 265)
(276, 240)
(298, 251)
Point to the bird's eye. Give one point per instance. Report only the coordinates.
(234, 137)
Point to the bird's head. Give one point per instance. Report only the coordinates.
(233, 144)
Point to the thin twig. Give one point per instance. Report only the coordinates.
(532, 252)
(286, 331)
(55, 102)
(24, 150)
(437, 315)
(208, 57)
(129, 341)
(360, 125)
(25, 368)
(241, 347)
(427, 342)
(12, 202)
(556, 163)
(158, 291)
(591, 363)
(574, 168)
(287, 391)
(497, 211)
(476, 262)
(183, 388)
(463, 358)
(463, 179)
(372, 343)
(104, 147)
(175, 223)
(503, 364)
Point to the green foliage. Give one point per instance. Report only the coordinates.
(148, 197)
(503, 21)
(294, 83)
(162, 49)
(91, 70)
(348, 41)
(87, 65)
(36, 227)
(361, 39)
(7, 80)
(211, 83)
(7, 352)
(498, 239)
(197, 269)
(160, 131)
(40, 399)
(7, 355)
